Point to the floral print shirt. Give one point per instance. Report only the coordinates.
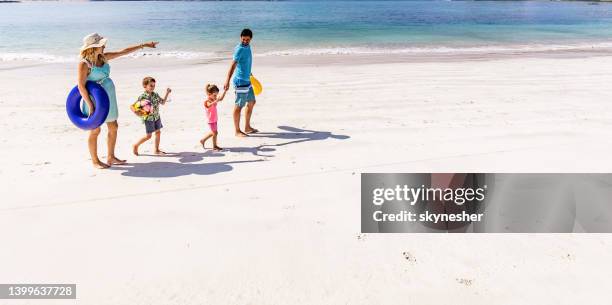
(155, 100)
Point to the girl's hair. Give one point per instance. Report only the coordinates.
(211, 88)
(90, 56)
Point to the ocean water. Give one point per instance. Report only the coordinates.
(52, 31)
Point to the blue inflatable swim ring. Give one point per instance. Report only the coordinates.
(101, 104)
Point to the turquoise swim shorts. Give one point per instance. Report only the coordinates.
(244, 98)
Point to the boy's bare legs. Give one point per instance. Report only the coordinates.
(92, 143)
(142, 140)
(237, 130)
(112, 140)
(157, 139)
(249, 111)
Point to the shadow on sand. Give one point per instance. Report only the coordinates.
(187, 161)
(295, 135)
(165, 169)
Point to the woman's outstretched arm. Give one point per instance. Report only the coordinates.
(128, 50)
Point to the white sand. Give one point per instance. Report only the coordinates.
(275, 220)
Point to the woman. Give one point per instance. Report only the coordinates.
(94, 67)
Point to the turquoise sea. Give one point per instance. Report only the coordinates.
(53, 30)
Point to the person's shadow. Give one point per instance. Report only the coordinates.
(187, 163)
(185, 166)
(293, 134)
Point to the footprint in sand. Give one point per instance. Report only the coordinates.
(568, 257)
(464, 281)
(409, 257)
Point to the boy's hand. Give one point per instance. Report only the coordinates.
(168, 90)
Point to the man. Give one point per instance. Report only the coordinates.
(241, 63)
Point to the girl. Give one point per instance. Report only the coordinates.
(210, 105)
(94, 67)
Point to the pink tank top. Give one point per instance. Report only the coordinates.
(211, 113)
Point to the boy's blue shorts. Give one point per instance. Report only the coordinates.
(243, 98)
(153, 126)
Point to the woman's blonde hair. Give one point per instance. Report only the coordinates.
(90, 56)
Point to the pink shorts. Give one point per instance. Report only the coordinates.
(213, 126)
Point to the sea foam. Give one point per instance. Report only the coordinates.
(357, 50)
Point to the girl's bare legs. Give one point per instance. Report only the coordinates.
(205, 138)
(112, 140)
(214, 136)
(142, 140)
(157, 139)
(92, 142)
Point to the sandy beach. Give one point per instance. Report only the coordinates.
(275, 218)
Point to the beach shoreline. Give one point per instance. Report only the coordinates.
(333, 59)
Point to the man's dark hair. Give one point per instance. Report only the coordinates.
(246, 33)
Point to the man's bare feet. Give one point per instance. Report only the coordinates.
(100, 165)
(135, 150)
(217, 148)
(241, 134)
(115, 160)
(160, 153)
(250, 130)
(202, 142)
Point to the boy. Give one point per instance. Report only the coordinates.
(242, 62)
(153, 120)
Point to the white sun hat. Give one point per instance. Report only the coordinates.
(93, 40)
